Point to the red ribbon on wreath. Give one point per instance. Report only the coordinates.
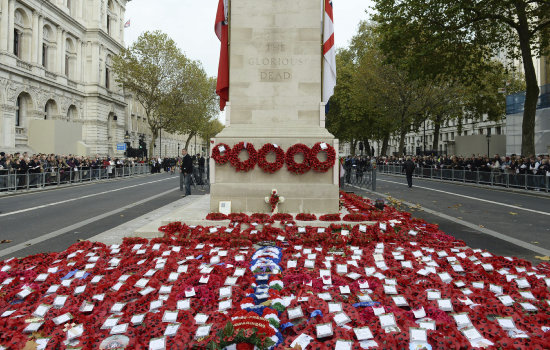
(217, 154)
(298, 168)
(248, 164)
(318, 166)
(279, 160)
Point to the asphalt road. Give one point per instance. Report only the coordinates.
(79, 212)
(521, 216)
(53, 220)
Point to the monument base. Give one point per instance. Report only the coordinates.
(311, 192)
(299, 198)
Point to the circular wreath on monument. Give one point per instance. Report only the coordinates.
(292, 165)
(279, 158)
(248, 164)
(221, 153)
(316, 164)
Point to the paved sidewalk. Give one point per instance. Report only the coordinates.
(147, 225)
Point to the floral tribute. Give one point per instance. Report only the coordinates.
(274, 199)
(306, 217)
(292, 165)
(266, 166)
(221, 153)
(248, 164)
(400, 283)
(316, 164)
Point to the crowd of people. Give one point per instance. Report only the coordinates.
(533, 165)
(531, 172)
(172, 164)
(22, 170)
(45, 169)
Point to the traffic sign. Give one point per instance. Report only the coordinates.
(121, 146)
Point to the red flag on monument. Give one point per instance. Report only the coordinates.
(329, 53)
(221, 29)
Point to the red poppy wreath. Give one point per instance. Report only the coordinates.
(248, 164)
(279, 158)
(221, 153)
(298, 168)
(316, 164)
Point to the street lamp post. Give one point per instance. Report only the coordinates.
(178, 150)
(424, 140)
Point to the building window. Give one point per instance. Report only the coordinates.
(452, 136)
(69, 5)
(16, 42)
(46, 112)
(489, 131)
(18, 112)
(481, 131)
(67, 65)
(107, 77)
(108, 24)
(44, 55)
(498, 130)
(465, 133)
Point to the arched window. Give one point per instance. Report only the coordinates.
(49, 47)
(72, 113)
(22, 106)
(17, 43)
(110, 12)
(108, 62)
(22, 34)
(50, 110)
(70, 58)
(18, 111)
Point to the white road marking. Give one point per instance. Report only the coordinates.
(469, 197)
(64, 230)
(78, 198)
(515, 241)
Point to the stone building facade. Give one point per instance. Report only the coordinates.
(55, 58)
(57, 92)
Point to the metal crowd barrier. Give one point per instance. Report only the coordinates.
(490, 178)
(13, 181)
(364, 178)
(200, 178)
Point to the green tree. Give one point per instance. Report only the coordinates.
(191, 103)
(212, 128)
(396, 99)
(446, 36)
(146, 68)
(345, 113)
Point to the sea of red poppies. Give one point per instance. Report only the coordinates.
(266, 282)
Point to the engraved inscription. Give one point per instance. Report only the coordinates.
(276, 61)
(276, 47)
(275, 75)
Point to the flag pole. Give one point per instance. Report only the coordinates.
(229, 47)
(322, 47)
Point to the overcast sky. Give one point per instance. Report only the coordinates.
(191, 24)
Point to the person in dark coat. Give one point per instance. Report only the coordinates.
(409, 167)
(186, 171)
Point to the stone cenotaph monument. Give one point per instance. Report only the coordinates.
(275, 97)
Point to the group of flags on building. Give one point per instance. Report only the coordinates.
(329, 52)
